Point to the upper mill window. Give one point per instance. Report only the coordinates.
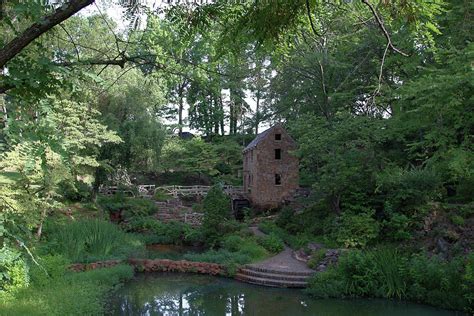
(277, 136)
(278, 153)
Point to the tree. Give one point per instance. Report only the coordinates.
(216, 207)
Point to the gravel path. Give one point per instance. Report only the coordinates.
(283, 261)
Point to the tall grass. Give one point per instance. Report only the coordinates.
(92, 239)
(390, 263)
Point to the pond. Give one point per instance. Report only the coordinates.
(190, 294)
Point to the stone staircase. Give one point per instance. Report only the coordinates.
(272, 277)
(174, 210)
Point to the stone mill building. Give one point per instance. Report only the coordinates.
(270, 169)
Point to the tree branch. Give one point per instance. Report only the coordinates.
(308, 9)
(16, 45)
(384, 30)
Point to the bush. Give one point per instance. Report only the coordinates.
(235, 251)
(405, 190)
(90, 240)
(468, 283)
(357, 230)
(457, 220)
(13, 271)
(397, 227)
(387, 273)
(316, 257)
(81, 293)
(50, 267)
(436, 282)
(174, 233)
(216, 206)
(161, 196)
(272, 243)
(130, 207)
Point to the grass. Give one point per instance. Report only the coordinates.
(235, 250)
(71, 293)
(90, 240)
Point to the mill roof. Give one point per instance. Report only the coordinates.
(259, 138)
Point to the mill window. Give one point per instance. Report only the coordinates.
(278, 154)
(277, 179)
(277, 136)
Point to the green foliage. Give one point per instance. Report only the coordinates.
(161, 196)
(272, 243)
(49, 267)
(216, 206)
(13, 272)
(468, 284)
(404, 190)
(81, 293)
(316, 257)
(235, 251)
(90, 240)
(389, 273)
(397, 227)
(457, 220)
(130, 207)
(173, 232)
(295, 241)
(357, 230)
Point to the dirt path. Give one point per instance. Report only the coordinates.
(284, 261)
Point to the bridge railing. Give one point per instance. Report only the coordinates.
(145, 190)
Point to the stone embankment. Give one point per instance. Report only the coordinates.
(174, 210)
(330, 257)
(155, 265)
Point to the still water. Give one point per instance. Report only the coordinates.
(189, 294)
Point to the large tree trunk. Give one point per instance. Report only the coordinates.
(61, 14)
(180, 110)
(221, 106)
(257, 113)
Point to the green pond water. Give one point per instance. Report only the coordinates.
(190, 294)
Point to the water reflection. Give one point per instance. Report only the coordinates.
(186, 294)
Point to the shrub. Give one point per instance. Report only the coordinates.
(435, 281)
(388, 273)
(468, 283)
(357, 230)
(81, 293)
(130, 207)
(408, 189)
(89, 240)
(232, 243)
(216, 206)
(272, 243)
(457, 220)
(13, 271)
(50, 267)
(235, 251)
(172, 233)
(316, 257)
(397, 227)
(161, 196)
(329, 283)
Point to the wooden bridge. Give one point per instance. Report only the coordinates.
(149, 190)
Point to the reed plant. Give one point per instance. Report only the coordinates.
(93, 239)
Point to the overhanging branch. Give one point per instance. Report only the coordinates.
(384, 30)
(16, 45)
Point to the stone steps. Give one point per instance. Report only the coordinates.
(269, 281)
(275, 271)
(272, 277)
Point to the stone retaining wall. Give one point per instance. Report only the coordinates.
(156, 265)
